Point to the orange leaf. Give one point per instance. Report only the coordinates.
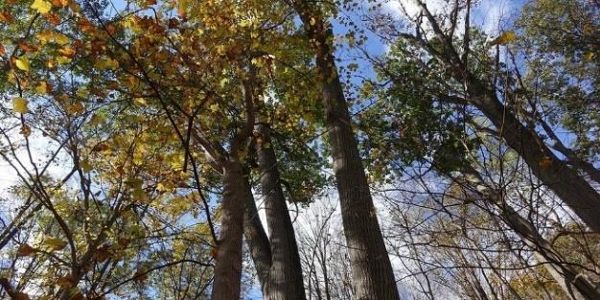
(25, 250)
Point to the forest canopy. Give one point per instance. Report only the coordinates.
(297, 149)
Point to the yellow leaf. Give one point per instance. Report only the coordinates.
(505, 38)
(42, 6)
(22, 63)
(55, 244)
(20, 105)
(140, 101)
(63, 60)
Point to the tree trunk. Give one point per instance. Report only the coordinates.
(372, 273)
(258, 243)
(573, 189)
(285, 276)
(229, 253)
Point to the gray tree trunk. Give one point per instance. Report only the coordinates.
(228, 268)
(372, 274)
(285, 276)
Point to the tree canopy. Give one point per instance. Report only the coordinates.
(293, 149)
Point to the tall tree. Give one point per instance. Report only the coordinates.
(372, 273)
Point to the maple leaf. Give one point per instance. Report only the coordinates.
(42, 6)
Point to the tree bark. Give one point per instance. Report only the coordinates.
(285, 276)
(372, 273)
(258, 243)
(229, 253)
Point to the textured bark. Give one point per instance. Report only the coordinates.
(285, 275)
(229, 253)
(572, 188)
(258, 242)
(372, 275)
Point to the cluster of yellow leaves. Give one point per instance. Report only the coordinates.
(41, 6)
(20, 105)
(44, 6)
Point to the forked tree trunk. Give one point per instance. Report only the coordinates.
(372, 275)
(285, 275)
(276, 258)
(228, 268)
(258, 243)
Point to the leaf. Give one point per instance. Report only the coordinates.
(42, 6)
(42, 88)
(588, 56)
(101, 147)
(107, 64)
(22, 63)
(85, 166)
(25, 250)
(55, 244)
(75, 108)
(25, 130)
(505, 38)
(67, 51)
(97, 119)
(20, 105)
(59, 3)
(140, 101)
